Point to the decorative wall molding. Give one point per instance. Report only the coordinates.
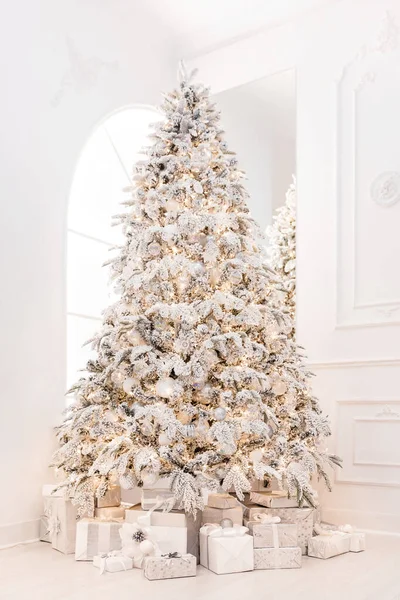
(357, 422)
(385, 188)
(83, 73)
(19, 533)
(360, 71)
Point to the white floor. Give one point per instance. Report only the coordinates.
(36, 572)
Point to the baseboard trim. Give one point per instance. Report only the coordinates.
(370, 522)
(13, 534)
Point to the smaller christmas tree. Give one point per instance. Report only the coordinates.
(282, 250)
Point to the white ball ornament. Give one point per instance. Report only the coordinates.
(235, 277)
(118, 378)
(220, 413)
(165, 387)
(202, 427)
(163, 439)
(154, 249)
(256, 455)
(172, 205)
(135, 338)
(198, 268)
(129, 385)
(146, 547)
(279, 388)
(226, 523)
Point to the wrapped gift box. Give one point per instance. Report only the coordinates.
(277, 558)
(357, 539)
(61, 524)
(302, 517)
(224, 501)
(175, 518)
(282, 535)
(95, 537)
(110, 512)
(169, 566)
(48, 493)
(167, 539)
(111, 498)
(273, 499)
(112, 562)
(215, 515)
(357, 542)
(326, 546)
(226, 553)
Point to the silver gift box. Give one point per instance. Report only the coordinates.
(96, 537)
(164, 567)
(327, 546)
(263, 534)
(277, 558)
(302, 517)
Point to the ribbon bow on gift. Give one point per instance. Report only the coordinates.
(114, 554)
(166, 505)
(328, 532)
(54, 526)
(346, 528)
(266, 519)
(216, 531)
(172, 555)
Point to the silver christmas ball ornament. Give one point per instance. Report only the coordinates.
(226, 523)
(220, 413)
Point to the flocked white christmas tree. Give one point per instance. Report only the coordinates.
(195, 377)
(282, 251)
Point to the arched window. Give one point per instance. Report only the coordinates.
(103, 170)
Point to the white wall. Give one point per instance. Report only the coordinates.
(65, 66)
(259, 119)
(347, 57)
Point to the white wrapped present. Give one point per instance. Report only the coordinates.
(215, 515)
(112, 497)
(328, 543)
(94, 537)
(175, 518)
(112, 562)
(273, 499)
(277, 558)
(61, 524)
(357, 539)
(302, 517)
(49, 493)
(269, 532)
(228, 550)
(157, 499)
(165, 539)
(169, 566)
